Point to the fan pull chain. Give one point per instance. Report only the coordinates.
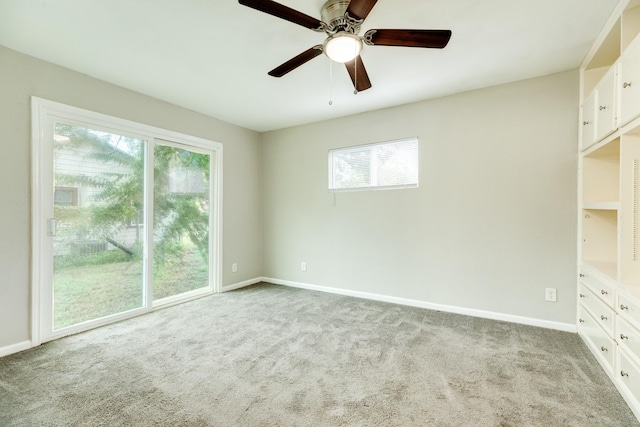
(330, 82)
(355, 72)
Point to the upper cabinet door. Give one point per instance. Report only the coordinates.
(605, 106)
(588, 120)
(629, 84)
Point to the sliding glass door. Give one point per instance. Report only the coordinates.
(126, 218)
(181, 220)
(96, 228)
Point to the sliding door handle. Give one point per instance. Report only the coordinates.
(52, 227)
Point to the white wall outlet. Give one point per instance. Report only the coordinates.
(303, 266)
(234, 267)
(550, 294)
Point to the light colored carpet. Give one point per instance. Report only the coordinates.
(274, 356)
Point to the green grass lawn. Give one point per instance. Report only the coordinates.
(111, 284)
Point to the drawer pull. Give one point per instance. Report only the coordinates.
(603, 348)
(624, 307)
(583, 296)
(581, 320)
(603, 292)
(581, 275)
(626, 84)
(603, 107)
(623, 337)
(585, 123)
(624, 374)
(603, 317)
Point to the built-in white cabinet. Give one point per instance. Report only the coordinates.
(628, 306)
(629, 337)
(605, 103)
(608, 312)
(588, 121)
(629, 83)
(596, 315)
(627, 368)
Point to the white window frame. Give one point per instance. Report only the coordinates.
(373, 169)
(44, 113)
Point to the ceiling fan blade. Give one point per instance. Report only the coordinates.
(358, 74)
(297, 61)
(436, 39)
(284, 12)
(359, 9)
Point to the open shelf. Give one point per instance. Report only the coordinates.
(603, 59)
(630, 25)
(600, 238)
(601, 177)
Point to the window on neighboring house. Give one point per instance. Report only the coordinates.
(66, 196)
(383, 165)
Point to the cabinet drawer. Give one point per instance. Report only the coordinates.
(596, 338)
(602, 313)
(629, 309)
(629, 375)
(629, 337)
(598, 285)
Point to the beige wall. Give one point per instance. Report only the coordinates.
(21, 77)
(492, 223)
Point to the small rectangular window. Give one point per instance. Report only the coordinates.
(374, 166)
(65, 196)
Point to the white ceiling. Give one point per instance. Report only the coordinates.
(212, 56)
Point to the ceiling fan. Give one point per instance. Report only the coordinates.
(341, 21)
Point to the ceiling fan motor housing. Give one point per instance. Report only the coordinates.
(334, 17)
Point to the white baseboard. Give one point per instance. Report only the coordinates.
(241, 284)
(566, 327)
(15, 348)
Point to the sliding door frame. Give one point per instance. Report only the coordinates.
(44, 113)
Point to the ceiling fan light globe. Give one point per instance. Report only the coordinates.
(342, 47)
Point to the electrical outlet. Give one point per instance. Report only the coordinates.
(550, 294)
(234, 267)
(303, 266)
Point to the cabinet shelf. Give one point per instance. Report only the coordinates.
(600, 237)
(601, 177)
(603, 59)
(630, 26)
(604, 206)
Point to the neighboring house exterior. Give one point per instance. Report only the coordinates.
(76, 166)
